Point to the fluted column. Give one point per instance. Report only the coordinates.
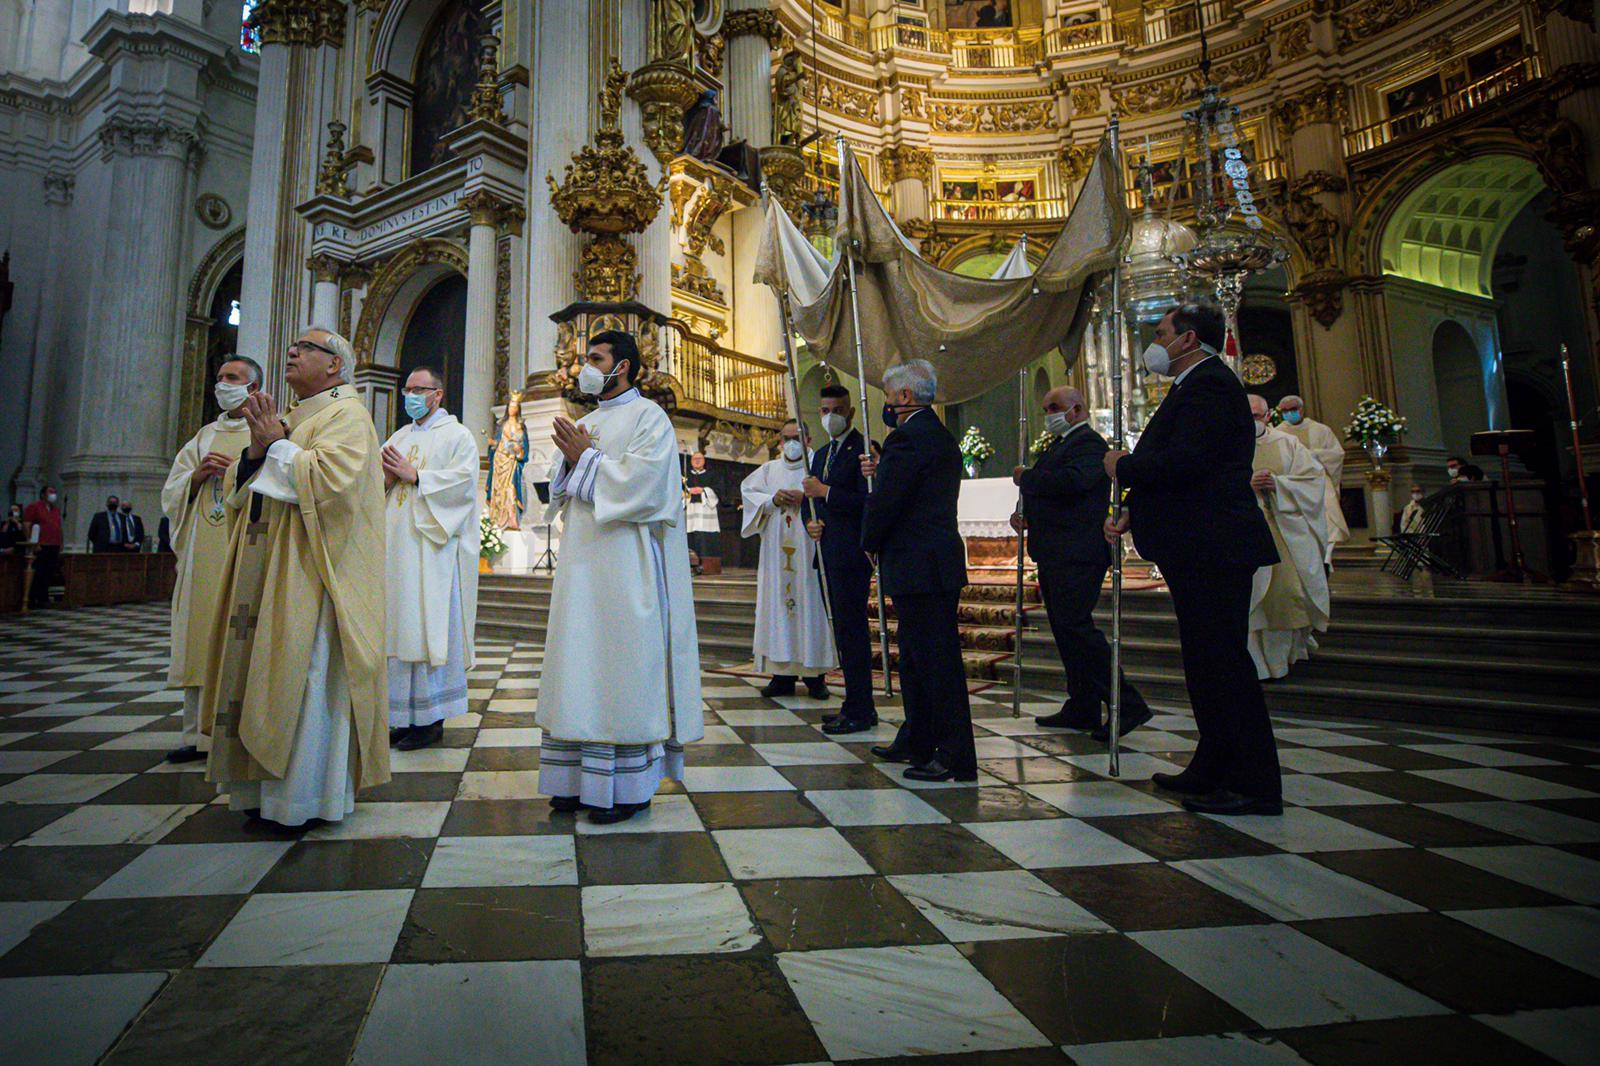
(324, 291)
(47, 362)
(477, 386)
(265, 212)
(752, 31)
(654, 245)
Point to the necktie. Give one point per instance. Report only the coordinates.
(116, 528)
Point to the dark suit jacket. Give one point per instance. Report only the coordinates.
(1065, 497)
(1188, 481)
(910, 518)
(100, 532)
(136, 532)
(837, 465)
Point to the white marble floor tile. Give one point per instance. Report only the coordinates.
(499, 785)
(311, 929)
(1318, 737)
(1024, 726)
(735, 779)
(26, 762)
(107, 723)
(470, 720)
(1482, 755)
(407, 1028)
(163, 740)
(1317, 761)
(371, 821)
(429, 760)
(715, 734)
(869, 1003)
(882, 733)
(1233, 1049)
(164, 696)
(127, 688)
(1098, 799)
(1053, 842)
(1300, 830)
(874, 806)
(760, 716)
(678, 919)
(1146, 739)
(1570, 935)
(60, 788)
(1550, 869)
(1503, 784)
(514, 706)
(753, 854)
(1131, 765)
(806, 703)
(56, 705)
(13, 687)
(820, 753)
(1292, 888)
(18, 920)
(994, 905)
(69, 1021)
(1568, 1036)
(1532, 824)
(12, 738)
(471, 862)
(667, 814)
(896, 773)
(194, 870)
(1309, 790)
(1005, 748)
(1281, 978)
(113, 823)
(509, 738)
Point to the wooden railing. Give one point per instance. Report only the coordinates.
(1459, 102)
(714, 380)
(1263, 173)
(1083, 37)
(999, 211)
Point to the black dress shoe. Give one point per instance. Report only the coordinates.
(1186, 783)
(818, 689)
(398, 733)
(839, 726)
(566, 804)
(187, 753)
(827, 718)
(890, 753)
(935, 770)
(422, 736)
(618, 813)
(778, 688)
(1063, 719)
(1131, 720)
(1227, 801)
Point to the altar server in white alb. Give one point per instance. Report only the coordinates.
(700, 508)
(430, 473)
(1289, 599)
(196, 509)
(620, 693)
(793, 637)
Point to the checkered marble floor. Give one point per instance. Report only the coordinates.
(1428, 896)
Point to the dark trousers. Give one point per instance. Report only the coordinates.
(1070, 592)
(1236, 749)
(848, 587)
(705, 544)
(46, 572)
(933, 681)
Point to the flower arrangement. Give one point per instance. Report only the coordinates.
(1041, 443)
(975, 448)
(490, 545)
(1371, 423)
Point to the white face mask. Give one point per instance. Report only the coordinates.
(50, 497)
(230, 396)
(834, 424)
(1261, 430)
(592, 381)
(793, 450)
(1157, 359)
(1056, 422)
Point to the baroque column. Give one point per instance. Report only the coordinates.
(752, 32)
(325, 271)
(477, 386)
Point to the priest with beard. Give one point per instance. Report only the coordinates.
(1289, 599)
(620, 693)
(792, 638)
(297, 683)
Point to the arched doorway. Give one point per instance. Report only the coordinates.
(210, 331)
(1458, 379)
(436, 335)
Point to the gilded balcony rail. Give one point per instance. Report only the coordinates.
(1458, 102)
(1264, 176)
(999, 210)
(1164, 23)
(906, 37)
(1082, 37)
(718, 382)
(995, 49)
(842, 30)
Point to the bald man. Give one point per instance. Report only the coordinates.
(1064, 500)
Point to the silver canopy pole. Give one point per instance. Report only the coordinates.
(1118, 439)
(1022, 536)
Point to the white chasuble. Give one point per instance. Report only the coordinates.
(1289, 600)
(701, 510)
(792, 631)
(622, 658)
(432, 531)
(1327, 450)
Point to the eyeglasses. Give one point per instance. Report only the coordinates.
(297, 345)
(421, 390)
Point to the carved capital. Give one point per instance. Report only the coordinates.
(300, 22)
(784, 169)
(483, 207)
(125, 136)
(325, 268)
(753, 22)
(1322, 292)
(904, 162)
(1320, 104)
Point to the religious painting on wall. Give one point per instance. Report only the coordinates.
(447, 70)
(977, 14)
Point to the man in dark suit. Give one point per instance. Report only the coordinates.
(132, 528)
(1194, 515)
(1064, 501)
(839, 493)
(910, 524)
(105, 528)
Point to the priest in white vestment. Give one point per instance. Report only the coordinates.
(793, 636)
(196, 511)
(431, 519)
(620, 692)
(700, 509)
(1288, 600)
(296, 691)
(1325, 445)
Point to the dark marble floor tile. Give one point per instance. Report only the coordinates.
(161, 788)
(110, 762)
(1089, 989)
(1065, 743)
(48, 741)
(491, 818)
(836, 776)
(706, 1010)
(1181, 835)
(1584, 777)
(218, 825)
(756, 810)
(1588, 849)
(1578, 808)
(306, 1015)
(1400, 758)
(1400, 785)
(503, 759)
(806, 914)
(505, 720)
(1148, 896)
(1029, 1056)
(779, 734)
(460, 738)
(160, 725)
(723, 755)
(1435, 882)
(991, 803)
(60, 872)
(415, 787)
(491, 925)
(1034, 771)
(122, 935)
(924, 849)
(1553, 749)
(1454, 964)
(1417, 826)
(349, 865)
(18, 820)
(1453, 1039)
(740, 703)
(649, 858)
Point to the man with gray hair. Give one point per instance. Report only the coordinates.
(1328, 449)
(910, 525)
(193, 502)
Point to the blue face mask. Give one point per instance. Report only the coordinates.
(890, 415)
(1292, 417)
(416, 407)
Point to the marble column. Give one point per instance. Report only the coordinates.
(269, 202)
(654, 245)
(477, 386)
(46, 367)
(325, 291)
(747, 72)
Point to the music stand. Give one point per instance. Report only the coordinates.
(541, 489)
(1505, 442)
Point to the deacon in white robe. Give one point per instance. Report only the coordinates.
(793, 637)
(620, 692)
(195, 504)
(1326, 447)
(700, 508)
(431, 519)
(1289, 600)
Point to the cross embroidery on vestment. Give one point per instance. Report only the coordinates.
(243, 622)
(255, 529)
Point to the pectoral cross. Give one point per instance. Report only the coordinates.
(255, 529)
(242, 623)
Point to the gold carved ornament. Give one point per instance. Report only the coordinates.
(1022, 117)
(1365, 21)
(904, 162)
(1075, 161)
(753, 22)
(1086, 98)
(336, 164)
(788, 87)
(299, 22)
(783, 167)
(1318, 105)
(485, 105)
(1294, 41)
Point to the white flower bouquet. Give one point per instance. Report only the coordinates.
(1371, 423)
(491, 545)
(975, 447)
(1041, 443)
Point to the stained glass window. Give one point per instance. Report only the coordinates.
(249, 36)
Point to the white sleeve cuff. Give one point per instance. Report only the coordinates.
(276, 479)
(582, 480)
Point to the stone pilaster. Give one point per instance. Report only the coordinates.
(654, 245)
(325, 271)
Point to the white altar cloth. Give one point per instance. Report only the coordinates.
(985, 506)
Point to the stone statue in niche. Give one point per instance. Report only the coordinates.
(786, 88)
(703, 132)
